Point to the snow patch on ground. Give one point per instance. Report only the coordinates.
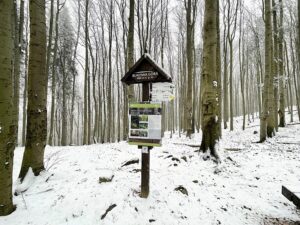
(244, 189)
(26, 184)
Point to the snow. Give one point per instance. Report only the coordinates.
(244, 189)
(26, 184)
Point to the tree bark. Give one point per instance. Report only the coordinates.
(190, 22)
(37, 92)
(275, 64)
(53, 80)
(282, 82)
(74, 75)
(86, 77)
(265, 127)
(16, 67)
(130, 62)
(7, 110)
(209, 84)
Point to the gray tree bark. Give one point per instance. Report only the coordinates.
(37, 92)
(268, 70)
(7, 109)
(209, 84)
(86, 78)
(282, 82)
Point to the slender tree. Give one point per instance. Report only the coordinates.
(231, 30)
(191, 8)
(130, 62)
(265, 128)
(275, 64)
(282, 83)
(54, 74)
(86, 77)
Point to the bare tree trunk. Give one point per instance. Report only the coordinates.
(24, 122)
(218, 70)
(289, 80)
(298, 47)
(209, 83)
(109, 89)
(16, 68)
(7, 109)
(118, 84)
(225, 78)
(264, 131)
(190, 8)
(282, 79)
(49, 46)
(37, 92)
(64, 101)
(231, 29)
(231, 84)
(74, 75)
(53, 86)
(130, 62)
(294, 63)
(242, 69)
(86, 77)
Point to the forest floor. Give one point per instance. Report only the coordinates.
(244, 189)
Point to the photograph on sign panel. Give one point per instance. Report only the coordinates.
(143, 125)
(138, 133)
(135, 122)
(143, 118)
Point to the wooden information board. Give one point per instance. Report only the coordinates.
(145, 124)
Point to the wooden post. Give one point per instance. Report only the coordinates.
(145, 71)
(145, 172)
(145, 152)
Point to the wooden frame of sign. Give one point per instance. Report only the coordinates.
(146, 71)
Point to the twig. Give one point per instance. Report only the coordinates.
(50, 189)
(24, 201)
(108, 210)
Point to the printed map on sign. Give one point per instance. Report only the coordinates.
(162, 92)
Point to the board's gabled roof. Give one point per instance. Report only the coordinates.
(163, 75)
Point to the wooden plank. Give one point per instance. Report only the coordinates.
(145, 174)
(292, 194)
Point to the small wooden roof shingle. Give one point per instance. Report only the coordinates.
(146, 70)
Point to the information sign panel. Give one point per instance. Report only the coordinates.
(162, 92)
(145, 124)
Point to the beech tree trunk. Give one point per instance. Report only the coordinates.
(209, 84)
(275, 63)
(282, 80)
(86, 77)
(7, 111)
(190, 8)
(53, 82)
(37, 92)
(129, 90)
(266, 128)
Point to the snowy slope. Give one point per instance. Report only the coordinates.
(246, 188)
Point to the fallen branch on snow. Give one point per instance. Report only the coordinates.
(108, 210)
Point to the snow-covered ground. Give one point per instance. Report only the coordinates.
(245, 189)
